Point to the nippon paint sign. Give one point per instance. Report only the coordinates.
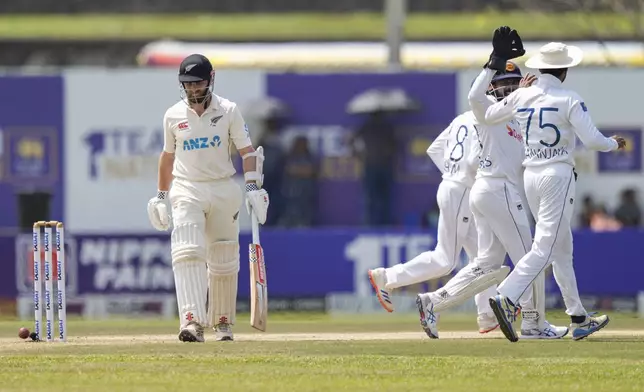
(113, 138)
(125, 264)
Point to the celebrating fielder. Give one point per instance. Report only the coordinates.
(204, 200)
(550, 117)
(451, 152)
(501, 222)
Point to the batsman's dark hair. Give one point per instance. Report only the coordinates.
(556, 72)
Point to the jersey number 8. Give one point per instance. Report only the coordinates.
(459, 143)
(542, 125)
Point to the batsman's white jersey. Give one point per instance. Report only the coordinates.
(201, 145)
(205, 208)
(451, 152)
(550, 117)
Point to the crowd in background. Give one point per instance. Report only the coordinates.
(597, 217)
(291, 174)
(290, 178)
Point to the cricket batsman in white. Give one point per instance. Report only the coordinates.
(501, 221)
(205, 200)
(550, 117)
(456, 231)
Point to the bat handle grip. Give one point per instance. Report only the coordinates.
(254, 227)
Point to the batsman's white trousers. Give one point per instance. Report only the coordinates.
(456, 231)
(212, 205)
(550, 191)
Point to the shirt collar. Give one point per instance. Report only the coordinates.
(214, 104)
(548, 80)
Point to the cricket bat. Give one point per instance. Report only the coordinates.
(258, 291)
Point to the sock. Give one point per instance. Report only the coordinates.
(578, 319)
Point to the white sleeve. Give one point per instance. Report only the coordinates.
(169, 141)
(436, 150)
(239, 130)
(485, 111)
(586, 130)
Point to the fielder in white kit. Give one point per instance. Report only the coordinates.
(205, 200)
(456, 231)
(501, 222)
(550, 117)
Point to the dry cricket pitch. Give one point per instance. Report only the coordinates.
(7, 343)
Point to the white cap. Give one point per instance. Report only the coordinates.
(556, 55)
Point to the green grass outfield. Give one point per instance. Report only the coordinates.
(367, 353)
(358, 26)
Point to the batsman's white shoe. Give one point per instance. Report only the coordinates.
(588, 327)
(506, 314)
(549, 332)
(428, 319)
(191, 332)
(223, 331)
(378, 279)
(487, 323)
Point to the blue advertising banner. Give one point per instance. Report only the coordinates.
(608, 263)
(31, 126)
(307, 263)
(627, 160)
(318, 106)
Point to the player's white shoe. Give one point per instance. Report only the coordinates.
(223, 332)
(588, 327)
(487, 323)
(506, 314)
(428, 318)
(191, 332)
(549, 332)
(378, 279)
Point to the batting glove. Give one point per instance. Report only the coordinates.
(158, 208)
(257, 201)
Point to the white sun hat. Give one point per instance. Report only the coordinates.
(555, 55)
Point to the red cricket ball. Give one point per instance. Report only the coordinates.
(23, 333)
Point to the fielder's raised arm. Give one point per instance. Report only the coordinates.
(485, 110)
(507, 45)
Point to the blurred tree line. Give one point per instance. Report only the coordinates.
(264, 6)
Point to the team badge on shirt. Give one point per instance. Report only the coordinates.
(215, 120)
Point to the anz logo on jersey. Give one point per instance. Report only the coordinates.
(200, 143)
